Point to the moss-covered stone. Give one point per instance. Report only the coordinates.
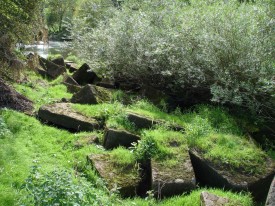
(62, 115)
(145, 122)
(126, 178)
(91, 94)
(214, 175)
(114, 138)
(172, 173)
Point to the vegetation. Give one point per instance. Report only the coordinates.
(170, 144)
(154, 43)
(41, 91)
(27, 142)
(182, 47)
(57, 187)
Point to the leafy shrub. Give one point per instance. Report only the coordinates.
(225, 48)
(4, 131)
(145, 149)
(60, 187)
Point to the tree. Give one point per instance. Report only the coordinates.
(56, 11)
(197, 47)
(18, 22)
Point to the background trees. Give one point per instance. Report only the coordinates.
(58, 11)
(182, 47)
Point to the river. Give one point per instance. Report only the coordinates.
(53, 47)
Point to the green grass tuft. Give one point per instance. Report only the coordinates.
(122, 157)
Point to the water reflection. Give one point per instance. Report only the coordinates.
(53, 47)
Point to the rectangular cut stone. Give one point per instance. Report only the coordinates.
(168, 181)
(126, 179)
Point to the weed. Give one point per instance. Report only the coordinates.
(145, 149)
(58, 187)
(4, 131)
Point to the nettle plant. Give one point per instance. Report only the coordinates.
(224, 47)
(4, 131)
(60, 187)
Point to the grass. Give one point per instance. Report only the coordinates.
(193, 199)
(100, 111)
(170, 145)
(42, 91)
(145, 108)
(211, 130)
(28, 143)
(75, 59)
(113, 114)
(215, 134)
(235, 152)
(122, 157)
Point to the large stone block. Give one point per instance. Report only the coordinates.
(114, 138)
(210, 175)
(62, 115)
(91, 94)
(85, 75)
(125, 178)
(53, 70)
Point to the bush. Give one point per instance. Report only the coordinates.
(4, 131)
(60, 187)
(225, 48)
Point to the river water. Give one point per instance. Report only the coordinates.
(53, 47)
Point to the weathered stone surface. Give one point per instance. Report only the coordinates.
(208, 199)
(69, 80)
(143, 122)
(270, 201)
(173, 180)
(114, 138)
(210, 175)
(140, 121)
(62, 115)
(59, 61)
(91, 94)
(107, 83)
(72, 88)
(84, 75)
(127, 179)
(41, 71)
(53, 70)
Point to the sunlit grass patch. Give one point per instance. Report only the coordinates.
(147, 109)
(30, 142)
(122, 157)
(169, 145)
(101, 111)
(193, 199)
(216, 135)
(231, 152)
(42, 91)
